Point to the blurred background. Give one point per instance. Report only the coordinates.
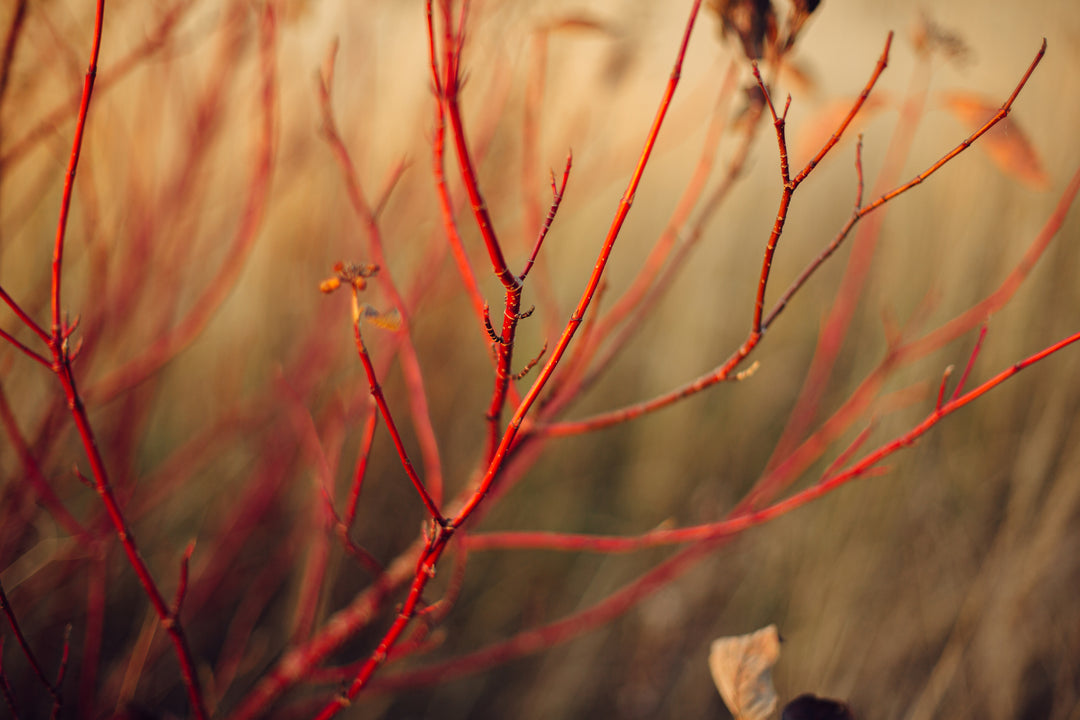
(226, 392)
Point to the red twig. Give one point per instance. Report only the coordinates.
(944, 383)
(361, 466)
(414, 378)
(453, 42)
(450, 85)
(62, 366)
(744, 519)
(9, 613)
(182, 583)
(840, 460)
(391, 426)
(65, 655)
(34, 473)
(725, 370)
(73, 165)
(978, 313)
(40, 359)
(591, 286)
(26, 319)
(970, 363)
(791, 185)
(662, 264)
(436, 544)
(5, 689)
(556, 199)
(438, 156)
(887, 196)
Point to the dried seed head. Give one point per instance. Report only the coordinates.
(801, 10)
(752, 21)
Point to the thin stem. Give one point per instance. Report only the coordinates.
(414, 377)
(970, 363)
(26, 319)
(391, 426)
(73, 165)
(453, 42)
(61, 672)
(438, 157)
(9, 613)
(102, 485)
(40, 359)
(725, 370)
(790, 185)
(557, 192)
(744, 519)
(590, 289)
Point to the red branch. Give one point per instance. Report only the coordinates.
(9, 613)
(437, 543)
(73, 165)
(727, 368)
(391, 426)
(414, 377)
(703, 537)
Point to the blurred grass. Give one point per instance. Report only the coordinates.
(944, 589)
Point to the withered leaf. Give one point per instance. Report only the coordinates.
(1005, 143)
(741, 667)
(389, 320)
(752, 21)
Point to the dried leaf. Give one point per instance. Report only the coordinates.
(389, 320)
(1005, 143)
(811, 707)
(800, 13)
(741, 667)
(752, 21)
(929, 37)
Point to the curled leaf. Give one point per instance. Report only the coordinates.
(389, 320)
(741, 667)
(1005, 143)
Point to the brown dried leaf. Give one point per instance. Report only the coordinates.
(929, 37)
(752, 21)
(741, 667)
(1005, 143)
(389, 320)
(800, 13)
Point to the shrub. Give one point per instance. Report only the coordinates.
(217, 502)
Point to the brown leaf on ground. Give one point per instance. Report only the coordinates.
(741, 667)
